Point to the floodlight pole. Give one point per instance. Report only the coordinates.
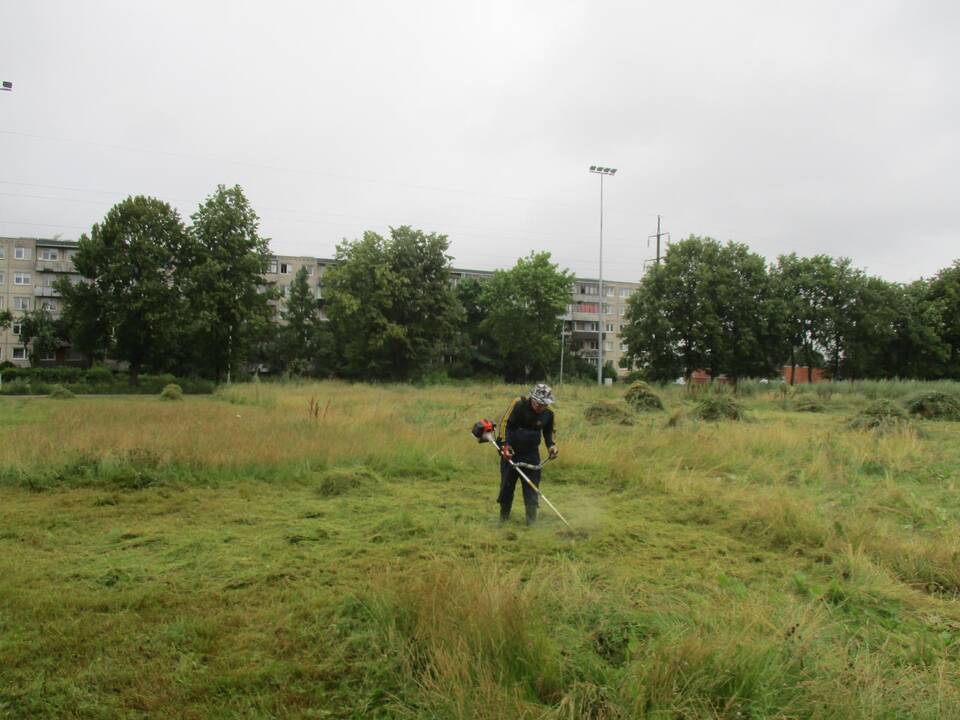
(601, 171)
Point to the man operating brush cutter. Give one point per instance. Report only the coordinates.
(526, 421)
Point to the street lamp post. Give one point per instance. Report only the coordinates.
(601, 171)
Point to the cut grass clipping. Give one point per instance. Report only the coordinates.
(880, 416)
(642, 398)
(719, 407)
(605, 411)
(171, 392)
(935, 406)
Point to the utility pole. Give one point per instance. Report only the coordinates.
(659, 235)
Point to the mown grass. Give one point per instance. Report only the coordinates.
(253, 554)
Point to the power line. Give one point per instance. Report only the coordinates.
(294, 170)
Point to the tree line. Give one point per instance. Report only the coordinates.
(723, 309)
(164, 296)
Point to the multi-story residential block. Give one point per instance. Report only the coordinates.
(284, 268)
(29, 269)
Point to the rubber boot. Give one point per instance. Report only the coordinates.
(531, 515)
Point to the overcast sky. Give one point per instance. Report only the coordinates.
(815, 127)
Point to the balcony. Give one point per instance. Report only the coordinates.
(55, 266)
(46, 292)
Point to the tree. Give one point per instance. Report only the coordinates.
(125, 305)
(526, 304)
(944, 293)
(708, 307)
(42, 334)
(6, 318)
(221, 275)
(393, 313)
(475, 352)
(303, 341)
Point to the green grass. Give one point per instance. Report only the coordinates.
(240, 555)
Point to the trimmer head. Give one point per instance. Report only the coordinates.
(483, 430)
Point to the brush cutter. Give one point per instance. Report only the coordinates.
(483, 431)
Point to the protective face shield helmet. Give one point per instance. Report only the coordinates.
(542, 393)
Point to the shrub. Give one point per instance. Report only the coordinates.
(172, 391)
(608, 412)
(935, 406)
(642, 398)
(59, 392)
(719, 407)
(881, 416)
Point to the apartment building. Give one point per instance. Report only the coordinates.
(29, 269)
(284, 268)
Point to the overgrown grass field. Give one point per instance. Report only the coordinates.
(333, 551)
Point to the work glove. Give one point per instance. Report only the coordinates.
(506, 452)
(553, 452)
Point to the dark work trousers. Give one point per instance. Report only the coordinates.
(508, 484)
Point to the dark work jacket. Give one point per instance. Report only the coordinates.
(521, 428)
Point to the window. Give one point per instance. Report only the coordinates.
(625, 292)
(49, 254)
(589, 290)
(16, 328)
(22, 278)
(606, 309)
(310, 270)
(273, 267)
(286, 268)
(623, 347)
(19, 353)
(284, 291)
(1, 275)
(608, 291)
(49, 355)
(3, 252)
(609, 327)
(21, 253)
(49, 305)
(2, 299)
(608, 346)
(21, 303)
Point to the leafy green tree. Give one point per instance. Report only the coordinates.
(944, 294)
(475, 352)
(706, 306)
(125, 305)
(393, 313)
(303, 340)
(42, 334)
(525, 305)
(221, 275)
(6, 318)
(799, 283)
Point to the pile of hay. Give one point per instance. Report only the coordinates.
(608, 412)
(59, 392)
(171, 391)
(642, 398)
(341, 480)
(935, 406)
(807, 403)
(719, 407)
(881, 416)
